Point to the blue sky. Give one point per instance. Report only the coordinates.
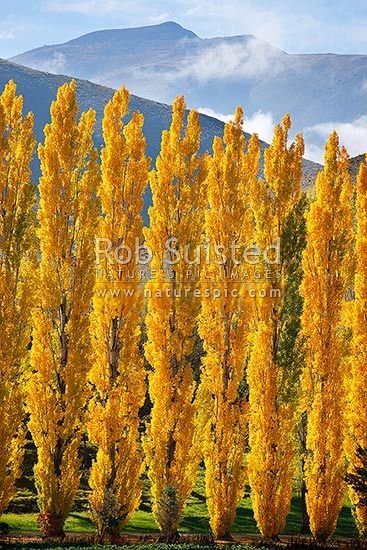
(297, 26)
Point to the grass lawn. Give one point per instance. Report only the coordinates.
(195, 520)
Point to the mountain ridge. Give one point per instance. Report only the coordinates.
(169, 29)
(39, 90)
(215, 73)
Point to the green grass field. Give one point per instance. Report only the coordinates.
(195, 520)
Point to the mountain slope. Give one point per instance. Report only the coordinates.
(39, 89)
(354, 165)
(113, 57)
(218, 73)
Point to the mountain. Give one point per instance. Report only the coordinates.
(164, 60)
(114, 57)
(39, 90)
(354, 164)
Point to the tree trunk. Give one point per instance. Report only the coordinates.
(51, 525)
(226, 537)
(305, 527)
(170, 537)
(110, 535)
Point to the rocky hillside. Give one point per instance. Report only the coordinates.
(354, 165)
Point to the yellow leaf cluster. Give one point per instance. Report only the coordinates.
(177, 188)
(17, 198)
(356, 380)
(326, 263)
(271, 419)
(60, 355)
(224, 325)
(81, 370)
(117, 375)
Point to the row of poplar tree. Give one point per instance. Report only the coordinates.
(283, 376)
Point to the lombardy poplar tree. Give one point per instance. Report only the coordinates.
(356, 379)
(60, 354)
(224, 323)
(272, 412)
(176, 221)
(118, 374)
(17, 198)
(326, 264)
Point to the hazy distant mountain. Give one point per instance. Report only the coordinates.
(354, 165)
(163, 60)
(39, 89)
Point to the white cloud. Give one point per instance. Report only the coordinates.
(314, 152)
(160, 18)
(259, 123)
(237, 16)
(7, 35)
(191, 11)
(279, 23)
(86, 7)
(54, 65)
(210, 112)
(243, 59)
(353, 135)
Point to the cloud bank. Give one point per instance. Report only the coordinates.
(353, 135)
(54, 65)
(7, 35)
(251, 58)
(259, 123)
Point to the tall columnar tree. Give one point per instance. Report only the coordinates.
(326, 266)
(175, 230)
(356, 380)
(291, 350)
(17, 199)
(60, 353)
(269, 376)
(118, 374)
(224, 323)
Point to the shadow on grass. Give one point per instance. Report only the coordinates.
(199, 496)
(195, 524)
(245, 521)
(345, 526)
(195, 521)
(83, 521)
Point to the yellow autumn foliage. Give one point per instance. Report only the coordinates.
(176, 219)
(72, 332)
(17, 199)
(60, 354)
(326, 263)
(118, 375)
(271, 417)
(356, 378)
(224, 323)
